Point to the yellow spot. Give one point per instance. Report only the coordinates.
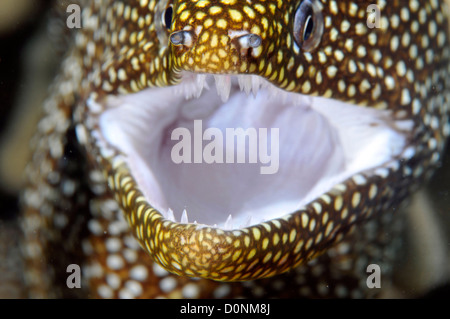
(185, 15)
(260, 8)
(329, 229)
(228, 269)
(208, 22)
(299, 71)
(309, 243)
(267, 257)
(265, 23)
(222, 23)
(247, 241)
(298, 247)
(267, 227)
(268, 69)
(235, 15)
(214, 41)
(272, 8)
(291, 86)
(292, 235)
(256, 234)
(251, 254)
(312, 225)
(356, 199)
(224, 40)
(256, 29)
(181, 8)
(249, 11)
(277, 256)
(275, 239)
(318, 238)
(215, 10)
(222, 53)
(276, 223)
(331, 71)
(305, 220)
(373, 191)
(236, 255)
(265, 243)
(200, 15)
(306, 88)
(338, 202)
(344, 213)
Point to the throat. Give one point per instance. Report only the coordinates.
(240, 160)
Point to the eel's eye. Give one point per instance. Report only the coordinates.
(308, 25)
(166, 17)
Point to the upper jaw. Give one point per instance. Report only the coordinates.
(321, 143)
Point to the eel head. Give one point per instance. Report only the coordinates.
(244, 138)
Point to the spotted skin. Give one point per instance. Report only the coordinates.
(90, 212)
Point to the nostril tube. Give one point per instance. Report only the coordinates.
(250, 41)
(184, 37)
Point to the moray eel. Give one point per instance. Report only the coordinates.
(358, 91)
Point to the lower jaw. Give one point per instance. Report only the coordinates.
(311, 144)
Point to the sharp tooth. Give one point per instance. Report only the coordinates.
(245, 83)
(200, 84)
(248, 222)
(228, 223)
(223, 86)
(170, 215)
(184, 217)
(256, 84)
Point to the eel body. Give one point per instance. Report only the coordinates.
(86, 204)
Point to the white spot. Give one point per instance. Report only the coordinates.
(105, 291)
(93, 106)
(130, 255)
(168, 284)
(331, 71)
(115, 262)
(159, 271)
(60, 220)
(94, 271)
(113, 280)
(131, 242)
(359, 179)
(190, 291)
(117, 227)
(113, 245)
(341, 291)
(87, 247)
(390, 82)
(125, 294)
(406, 97)
(222, 291)
(139, 273)
(95, 227)
(382, 172)
(134, 287)
(81, 134)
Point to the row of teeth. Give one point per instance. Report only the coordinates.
(193, 85)
(228, 225)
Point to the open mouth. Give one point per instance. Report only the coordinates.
(305, 145)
